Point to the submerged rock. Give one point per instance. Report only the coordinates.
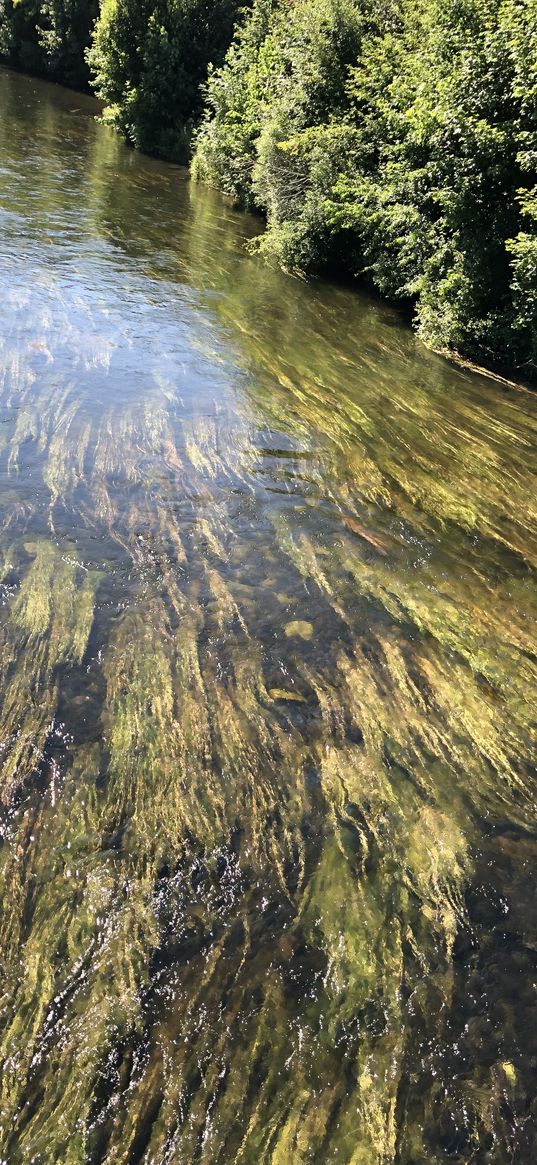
(280, 694)
(299, 627)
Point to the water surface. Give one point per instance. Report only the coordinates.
(268, 673)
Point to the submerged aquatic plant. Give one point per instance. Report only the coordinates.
(268, 726)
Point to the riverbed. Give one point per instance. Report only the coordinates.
(268, 634)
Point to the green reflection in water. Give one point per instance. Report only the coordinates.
(268, 695)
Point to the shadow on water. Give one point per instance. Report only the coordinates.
(268, 636)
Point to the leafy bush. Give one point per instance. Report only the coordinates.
(285, 73)
(48, 37)
(395, 141)
(399, 143)
(148, 60)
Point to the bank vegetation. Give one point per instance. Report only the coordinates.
(393, 141)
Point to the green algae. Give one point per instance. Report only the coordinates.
(269, 660)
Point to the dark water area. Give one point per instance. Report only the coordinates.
(268, 639)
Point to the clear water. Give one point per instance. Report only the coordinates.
(268, 674)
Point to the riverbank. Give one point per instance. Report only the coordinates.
(390, 145)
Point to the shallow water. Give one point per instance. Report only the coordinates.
(268, 636)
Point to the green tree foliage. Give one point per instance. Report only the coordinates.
(395, 141)
(284, 76)
(398, 141)
(65, 36)
(48, 37)
(149, 59)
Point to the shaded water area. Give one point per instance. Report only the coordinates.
(269, 661)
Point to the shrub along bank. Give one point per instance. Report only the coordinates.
(393, 140)
(48, 37)
(397, 141)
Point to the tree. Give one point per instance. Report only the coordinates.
(397, 143)
(149, 59)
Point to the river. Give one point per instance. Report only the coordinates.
(268, 674)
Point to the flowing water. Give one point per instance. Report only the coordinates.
(269, 661)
